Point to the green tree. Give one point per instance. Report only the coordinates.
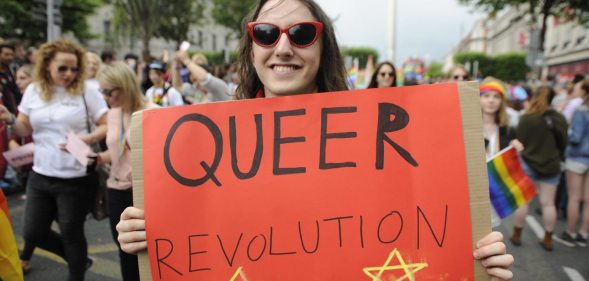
(511, 67)
(485, 63)
(362, 53)
(16, 20)
(179, 16)
(230, 13)
(435, 70)
(144, 16)
(537, 9)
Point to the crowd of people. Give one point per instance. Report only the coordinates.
(58, 88)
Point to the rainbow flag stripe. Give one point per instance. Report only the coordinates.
(509, 186)
(10, 268)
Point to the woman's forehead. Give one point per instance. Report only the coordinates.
(285, 11)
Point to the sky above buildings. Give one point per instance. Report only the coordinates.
(425, 28)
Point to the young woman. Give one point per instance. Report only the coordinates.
(121, 92)
(384, 76)
(577, 172)
(498, 134)
(543, 133)
(458, 73)
(274, 64)
(57, 103)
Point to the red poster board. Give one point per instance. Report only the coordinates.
(359, 185)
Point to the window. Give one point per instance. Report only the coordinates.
(566, 44)
(553, 49)
(214, 42)
(107, 33)
(200, 39)
(580, 40)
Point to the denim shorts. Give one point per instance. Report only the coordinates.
(553, 180)
(576, 167)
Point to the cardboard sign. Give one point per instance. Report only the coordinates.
(20, 156)
(380, 184)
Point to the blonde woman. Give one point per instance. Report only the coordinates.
(57, 103)
(121, 92)
(94, 64)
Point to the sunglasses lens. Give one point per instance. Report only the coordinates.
(266, 34)
(302, 34)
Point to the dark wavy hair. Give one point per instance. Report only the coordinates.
(331, 75)
(374, 83)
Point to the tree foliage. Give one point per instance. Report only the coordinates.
(537, 10)
(434, 70)
(361, 53)
(507, 67)
(16, 20)
(230, 13)
(144, 16)
(178, 17)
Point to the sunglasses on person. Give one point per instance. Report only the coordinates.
(300, 34)
(457, 77)
(385, 74)
(63, 69)
(107, 92)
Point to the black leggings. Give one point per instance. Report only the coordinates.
(65, 200)
(118, 200)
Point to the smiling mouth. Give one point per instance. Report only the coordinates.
(281, 68)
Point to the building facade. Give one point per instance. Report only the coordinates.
(206, 37)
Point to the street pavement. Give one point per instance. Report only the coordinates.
(532, 263)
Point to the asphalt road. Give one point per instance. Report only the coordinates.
(532, 262)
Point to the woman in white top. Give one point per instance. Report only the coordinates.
(56, 104)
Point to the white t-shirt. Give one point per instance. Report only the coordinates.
(172, 98)
(52, 121)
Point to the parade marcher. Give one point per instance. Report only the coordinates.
(56, 104)
(384, 76)
(573, 100)
(577, 172)
(122, 93)
(94, 64)
(496, 130)
(458, 73)
(274, 64)
(211, 88)
(162, 93)
(543, 133)
(10, 98)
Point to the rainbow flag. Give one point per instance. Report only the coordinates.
(509, 186)
(10, 268)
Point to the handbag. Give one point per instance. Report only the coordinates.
(98, 175)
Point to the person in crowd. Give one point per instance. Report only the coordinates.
(108, 56)
(543, 133)
(274, 66)
(573, 100)
(94, 64)
(161, 93)
(210, 87)
(30, 56)
(577, 173)
(10, 98)
(458, 73)
(24, 77)
(122, 93)
(57, 103)
(384, 76)
(19, 54)
(496, 130)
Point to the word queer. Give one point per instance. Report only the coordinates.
(384, 230)
(391, 118)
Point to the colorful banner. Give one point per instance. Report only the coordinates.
(361, 185)
(10, 268)
(509, 186)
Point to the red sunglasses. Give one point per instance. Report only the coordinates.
(300, 34)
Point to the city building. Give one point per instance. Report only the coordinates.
(206, 37)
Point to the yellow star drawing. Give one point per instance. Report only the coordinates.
(409, 269)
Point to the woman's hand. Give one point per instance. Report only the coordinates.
(519, 147)
(5, 115)
(131, 230)
(491, 251)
